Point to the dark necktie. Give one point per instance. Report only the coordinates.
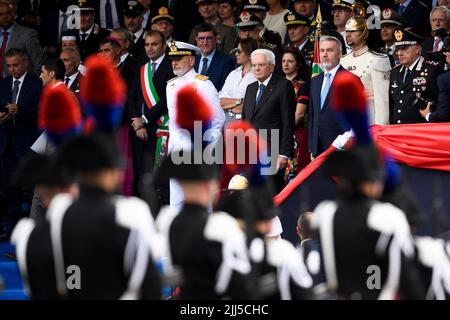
(205, 66)
(83, 37)
(108, 15)
(2, 52)
(406, 74)
(401, 8)
(35, 7)
(67, 82)
(153, 68)
(262, 88)
(15, 91)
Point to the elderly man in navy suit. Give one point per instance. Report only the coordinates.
(323, 126)
(269, 104)
(19, 98)
(212, 63)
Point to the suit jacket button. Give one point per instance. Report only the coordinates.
(399, 111)
(401, 101)
(398, 121)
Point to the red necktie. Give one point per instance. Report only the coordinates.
(2, 52)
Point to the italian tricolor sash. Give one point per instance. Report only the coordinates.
(151, 99)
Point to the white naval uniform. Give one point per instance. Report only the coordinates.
(178, 139)
(373, 69)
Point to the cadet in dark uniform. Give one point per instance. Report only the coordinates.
(298, 29)
(32, 235)
(414, 77)
(367, 246)
(108, 238)
(210, 249)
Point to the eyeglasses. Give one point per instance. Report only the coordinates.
(203, 39)
(238, 51)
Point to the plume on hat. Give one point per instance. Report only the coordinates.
(59, 113)
(348, 100)
(102, 93)
(245, 152)
(193, 111)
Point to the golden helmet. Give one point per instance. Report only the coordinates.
(356, 24)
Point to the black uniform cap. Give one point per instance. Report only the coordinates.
(260, 5)
(184, 166)
(404, 38)
(361, 163)
(294, 18)
(38, 169)
(133, 9)
(90, 154)
(162, 13)
(247, 19)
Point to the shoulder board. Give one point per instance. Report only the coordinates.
(270, 45)
(221, 226)
(431, 63)
(170, 80)
(378, 54)
(201, 77)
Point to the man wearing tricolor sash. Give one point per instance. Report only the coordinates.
(149, 107)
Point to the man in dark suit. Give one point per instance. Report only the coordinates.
(440, 26)
(269, 103)
(442, 112)
(90, 34)
(146, 117)
(323, 126)
(133, 16)
(110, 13)
(13, 35)
(212, 63)
(71, 58)
(416, 13)
(19, 99)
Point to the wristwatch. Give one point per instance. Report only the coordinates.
(238, 102)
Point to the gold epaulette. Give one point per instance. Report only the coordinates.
(170, 80)
(201, 77)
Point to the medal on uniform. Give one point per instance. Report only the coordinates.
(394, 85)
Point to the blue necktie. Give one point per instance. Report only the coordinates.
(401, 8)
(108, 15)
(205, 66)
(15, 91)
(326, 88)
(260, 93)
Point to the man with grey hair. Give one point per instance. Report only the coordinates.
(323, 126)
(440, 25)
(71, 58)
(269, 103)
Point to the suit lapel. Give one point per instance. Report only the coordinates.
(24, 86)
(13, 37)
(213, 64)
(267, 93)
(250, 106)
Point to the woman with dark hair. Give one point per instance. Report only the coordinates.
(233, 91)
(227, 11)
(297, 71)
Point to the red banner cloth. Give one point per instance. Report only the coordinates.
(422, 145)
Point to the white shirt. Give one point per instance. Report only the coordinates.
(178, 139)
(115, 18)
(144, 21)
(235, 85)
(300, 47)
(276, 23)
(71, 78)
(124, 56)
(157, 61)
(332, 72)
(87, 32)
(138, 35)
(265, 83)
(21, 79)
